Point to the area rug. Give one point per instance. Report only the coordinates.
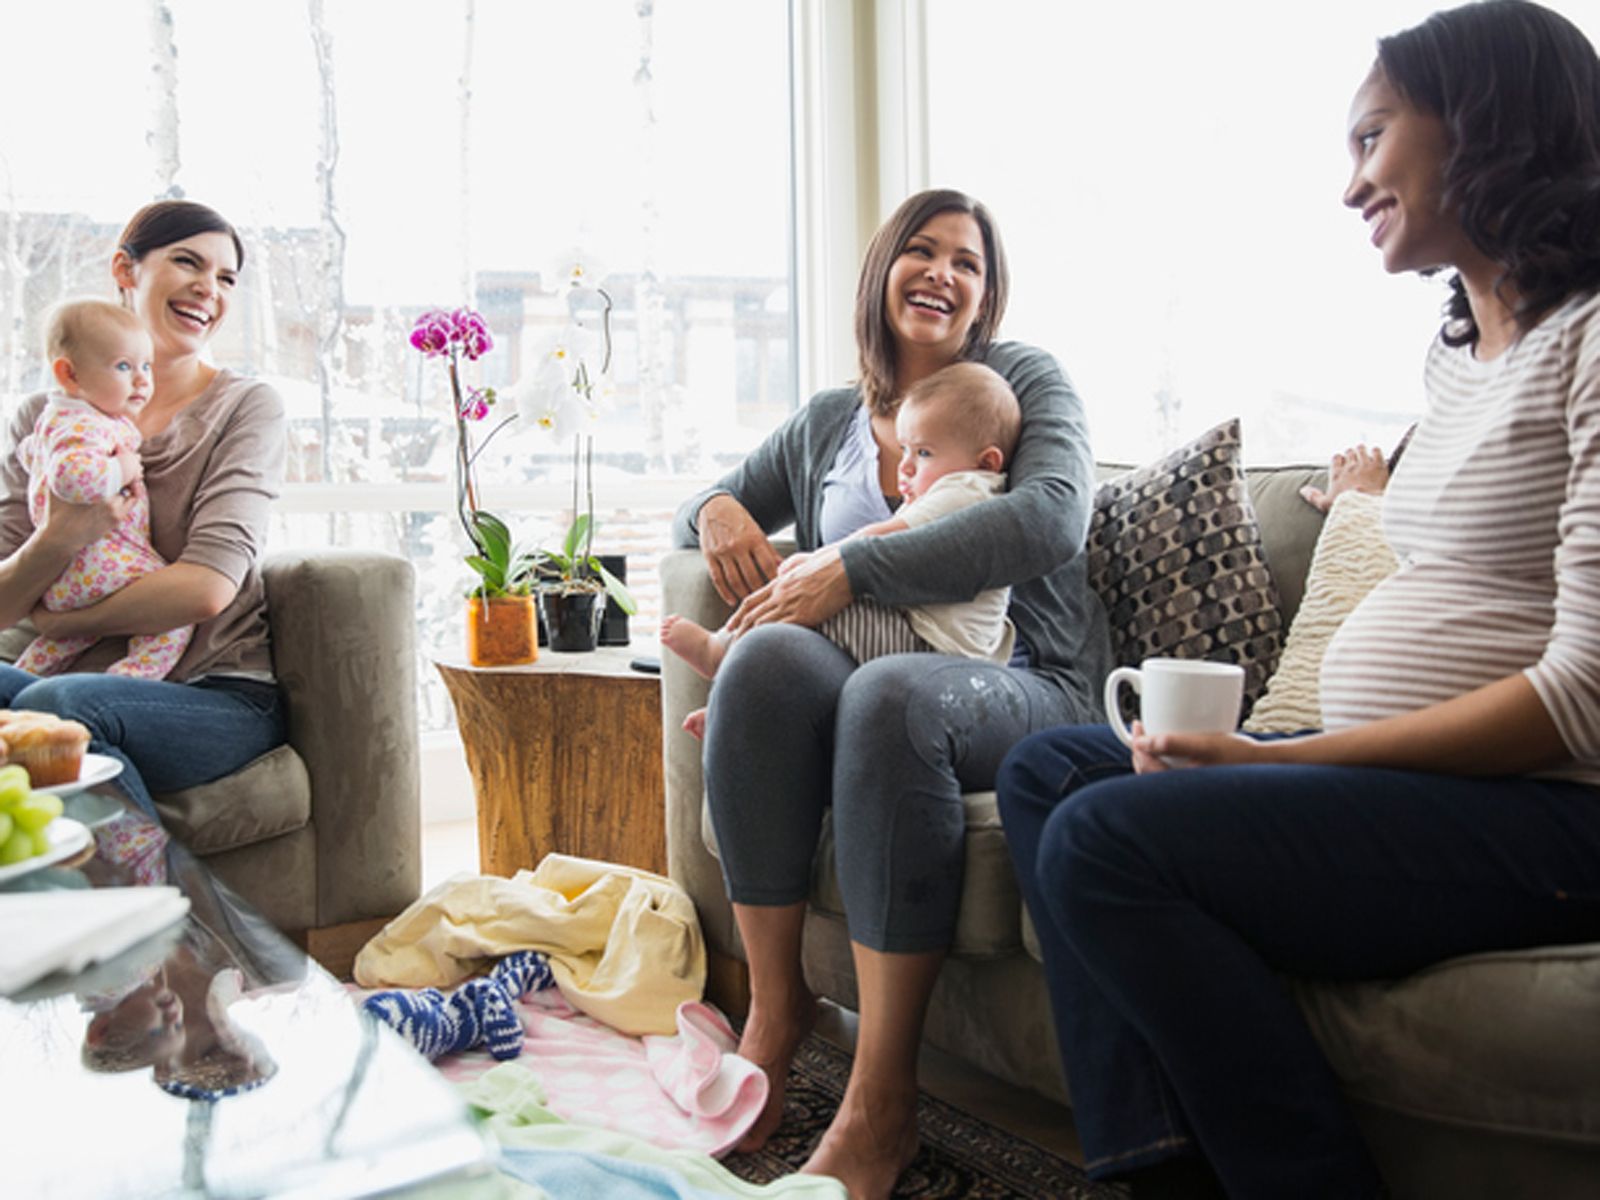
(961, 1157)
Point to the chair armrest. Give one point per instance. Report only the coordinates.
(686, 590)
(343, 626)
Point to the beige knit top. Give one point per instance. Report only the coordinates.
(212, 475)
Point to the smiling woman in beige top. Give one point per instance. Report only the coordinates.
(213, 456)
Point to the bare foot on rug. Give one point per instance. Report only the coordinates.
(695, 724)
(770, 1043)
(872, 1139)
(695, 644)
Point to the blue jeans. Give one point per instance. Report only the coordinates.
(1167, 903)
(168, 736)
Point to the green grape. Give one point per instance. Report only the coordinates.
(5, 827)
(41, 841)
(37, 811)
(13, 786)
(17, 847)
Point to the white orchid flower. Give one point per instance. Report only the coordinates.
(575, 268)
(539, 396)
(547, 400)
(572, 416)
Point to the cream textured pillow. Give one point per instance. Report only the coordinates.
(1351, 559)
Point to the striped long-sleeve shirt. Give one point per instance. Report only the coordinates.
(1494, 515)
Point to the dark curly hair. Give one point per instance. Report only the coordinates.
(1518, 88)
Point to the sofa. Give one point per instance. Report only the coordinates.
(1479, 1077)
(322, 835)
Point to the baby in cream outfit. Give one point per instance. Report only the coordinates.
(957, 429)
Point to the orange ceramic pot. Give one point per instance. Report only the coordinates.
(501, 632)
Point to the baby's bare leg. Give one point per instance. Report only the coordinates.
(698, 646)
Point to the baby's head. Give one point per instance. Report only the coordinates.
(100, 352)
(961, 418)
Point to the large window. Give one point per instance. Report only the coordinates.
(1168, 177)
(382, 157)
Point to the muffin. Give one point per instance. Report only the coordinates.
(50, 749)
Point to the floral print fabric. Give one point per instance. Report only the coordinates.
(71, 454)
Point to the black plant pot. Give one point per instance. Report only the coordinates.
(571, 620)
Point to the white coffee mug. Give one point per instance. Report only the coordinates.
(1178, 695)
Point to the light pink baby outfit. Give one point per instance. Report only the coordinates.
(71, 453)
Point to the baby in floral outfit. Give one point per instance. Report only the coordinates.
(84, 448)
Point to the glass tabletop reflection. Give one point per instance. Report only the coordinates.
(210, 1058)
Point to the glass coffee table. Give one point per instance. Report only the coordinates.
(209, 1058)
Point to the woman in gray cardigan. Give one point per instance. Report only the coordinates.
(796, 726)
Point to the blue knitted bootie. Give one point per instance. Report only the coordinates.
(523, 971)
(481, 1012)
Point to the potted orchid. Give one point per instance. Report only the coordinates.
(560, 398)
(500, 612)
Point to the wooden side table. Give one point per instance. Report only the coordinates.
(565, 755)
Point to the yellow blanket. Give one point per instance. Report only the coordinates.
(624, 944)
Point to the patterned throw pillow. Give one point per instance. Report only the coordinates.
(1175, 554)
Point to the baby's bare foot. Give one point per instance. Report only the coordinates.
(695, 644)
(695, 724)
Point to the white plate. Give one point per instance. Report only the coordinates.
(67, 837)
(93, 809)
(96, 768)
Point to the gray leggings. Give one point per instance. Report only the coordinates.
(794, 726)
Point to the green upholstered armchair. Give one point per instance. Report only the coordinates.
(322, 835)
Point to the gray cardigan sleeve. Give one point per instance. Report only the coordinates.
(1038, 525)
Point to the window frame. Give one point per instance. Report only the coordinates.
(859, 146)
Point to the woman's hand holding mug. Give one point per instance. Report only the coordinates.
(1176, 696)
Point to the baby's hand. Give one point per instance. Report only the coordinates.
(132, 468)
(1358, 469)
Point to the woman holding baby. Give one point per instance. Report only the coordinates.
(1451, 803)
(212, 457)
(796, 727)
